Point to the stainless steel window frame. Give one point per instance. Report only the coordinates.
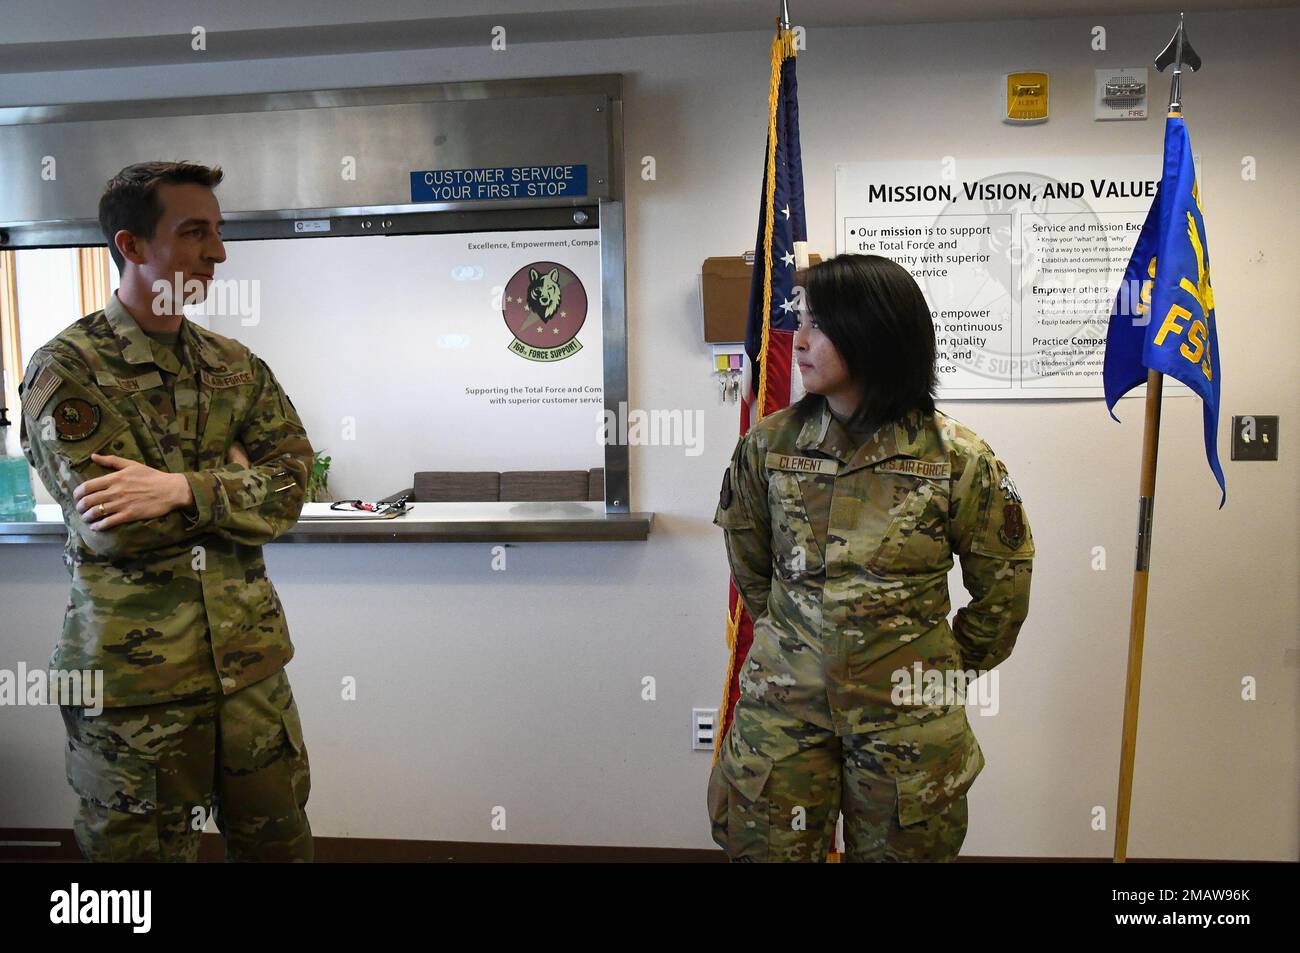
(22, 128)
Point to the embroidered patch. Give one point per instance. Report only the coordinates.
(226, 380)
(1012, 532)
(923, 468)
(724, 497)
(130, 384)
(38, 395)
(783, 461)
(143, 382)
(75, 419)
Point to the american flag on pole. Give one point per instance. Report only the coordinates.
(780, 250)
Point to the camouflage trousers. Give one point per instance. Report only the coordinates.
(149, 776)
(902, 790)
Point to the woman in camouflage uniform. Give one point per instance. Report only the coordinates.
(842, 514)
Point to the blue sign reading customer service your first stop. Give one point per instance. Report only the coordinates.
(517, 182)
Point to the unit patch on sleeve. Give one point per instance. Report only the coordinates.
(1012, 531)
(75, 419)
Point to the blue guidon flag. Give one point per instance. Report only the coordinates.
(1163, 317)
(780, 250)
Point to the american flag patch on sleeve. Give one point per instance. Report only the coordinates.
(39, 394)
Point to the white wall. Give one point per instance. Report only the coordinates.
(522, 688)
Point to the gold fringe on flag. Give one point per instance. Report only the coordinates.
(782, 47)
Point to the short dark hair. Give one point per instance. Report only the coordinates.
(873, 312)
(130, 200)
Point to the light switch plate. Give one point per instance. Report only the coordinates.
(1254, 437)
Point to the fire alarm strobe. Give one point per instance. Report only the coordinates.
(1120, 94)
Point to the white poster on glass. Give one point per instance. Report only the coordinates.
(402, 353)
(1019, 259)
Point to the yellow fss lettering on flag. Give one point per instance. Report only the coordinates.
(1196, 348)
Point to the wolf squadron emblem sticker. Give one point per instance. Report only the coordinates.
(544, 305)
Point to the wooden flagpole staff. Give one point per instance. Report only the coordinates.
(1179, 53)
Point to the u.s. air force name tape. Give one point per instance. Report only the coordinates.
(925, 468)
(226, 380)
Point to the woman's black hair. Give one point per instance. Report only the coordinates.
(873, 312)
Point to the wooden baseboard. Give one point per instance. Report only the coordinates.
(18, 845)
(36, 845)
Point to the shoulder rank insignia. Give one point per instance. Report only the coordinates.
(724, 497)
(1012, 531)
(75, 419)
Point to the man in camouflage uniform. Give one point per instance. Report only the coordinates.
(174, 454)
(840, 547)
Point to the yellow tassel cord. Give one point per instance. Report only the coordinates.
(782, 47)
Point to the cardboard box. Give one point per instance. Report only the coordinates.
(726, 297)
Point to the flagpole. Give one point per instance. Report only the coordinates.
(833, 855)
(1178, 53)
(756, 404)
(1138, 609)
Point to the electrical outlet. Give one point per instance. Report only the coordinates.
(703, 728)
